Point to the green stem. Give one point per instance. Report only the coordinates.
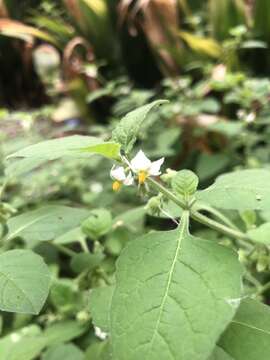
(84, 245)
(218, 215)
(65, 250)
(195, 215)
(263, 289)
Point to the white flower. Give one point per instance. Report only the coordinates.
(144, 167)
(250, 117)
(100, 334)
(118, 174)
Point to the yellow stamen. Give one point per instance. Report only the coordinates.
(142, 175)
(116, 186)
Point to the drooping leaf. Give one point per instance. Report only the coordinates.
(24, 32)
(172, 286)
(24, 282)
(76, 146)
(248, 335)
(45, 223)
(129, 127)
(100, 303)
(240, 190)
(63, 351)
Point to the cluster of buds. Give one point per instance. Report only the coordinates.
(139, 169)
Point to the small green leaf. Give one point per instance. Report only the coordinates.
(24, 282)
(98, 224)
(24, 344)
(63, 351)
(170, 286)
(185, 183)
(248, 335)
(260, 234)
(76, 146)
(86, 261)
(64, 331)
(127, 130)
(45, 223)
(241, 190)
(100, 303)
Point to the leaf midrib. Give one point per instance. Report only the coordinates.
(181, 235)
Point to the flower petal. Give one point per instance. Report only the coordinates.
(118, 173)
(129, 180)
(140, 162)
(155, 167)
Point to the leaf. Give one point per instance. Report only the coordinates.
(260, 234)
(86, 261)
(25, 344)
(100, 303)
(185, 183)
(45, 223)
(129, 127)
(69, 237)
(63, 351)
(220, 354)
(202, 45)
(18, 30)
(240, 190)
(248, 335)
(64, 331)
(76, 146)
(211, 165)
(24, 282)
(171, 286)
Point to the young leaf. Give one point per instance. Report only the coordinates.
(174, 296)
(128, 128)
(24, 282)
(100, 303)
(240, 190)
(71, 146)
(248, 335)
(185, 183)
(45, 223)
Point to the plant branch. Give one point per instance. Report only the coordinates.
(196, 215)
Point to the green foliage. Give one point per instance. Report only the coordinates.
(24, 282)
(185, 183)
(98, 223)
(247, 337)
(176, 267)
(129, 127)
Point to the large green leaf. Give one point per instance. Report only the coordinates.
(174, 296)
(24, 282)
(129, 127)
(71, 146)
(240, 190)
(248, 335)
(45, 223)
(100, 302)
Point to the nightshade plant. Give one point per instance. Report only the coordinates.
(175, 296)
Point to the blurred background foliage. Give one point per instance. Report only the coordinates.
(78, 66)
